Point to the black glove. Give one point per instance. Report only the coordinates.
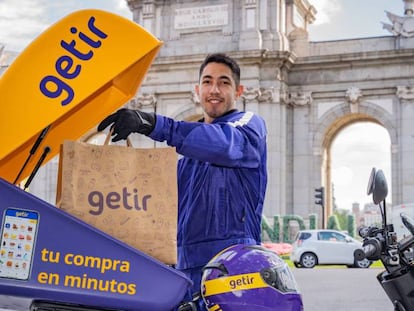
(127, 121)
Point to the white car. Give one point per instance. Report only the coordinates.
(325, 247)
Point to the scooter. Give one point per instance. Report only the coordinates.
(381, 243)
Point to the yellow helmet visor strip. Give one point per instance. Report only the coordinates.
(215, 308)
(234, 283)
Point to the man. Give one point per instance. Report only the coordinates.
(222, 177)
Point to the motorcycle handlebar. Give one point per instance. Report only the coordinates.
(367, 251)
(365, 232)
(371, 249)
(372, 246)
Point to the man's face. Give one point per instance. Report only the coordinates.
(217, 91)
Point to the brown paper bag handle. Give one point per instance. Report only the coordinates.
(107, 138)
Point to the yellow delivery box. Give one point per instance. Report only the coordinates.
(66, 81)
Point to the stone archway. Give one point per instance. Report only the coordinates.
(331, 123)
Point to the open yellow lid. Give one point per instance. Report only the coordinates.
(71, 77)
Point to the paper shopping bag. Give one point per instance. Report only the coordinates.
(128, 193)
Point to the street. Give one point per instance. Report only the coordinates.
(322, 289)
(341, 289)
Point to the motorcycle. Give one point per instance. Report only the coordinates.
(381, 243)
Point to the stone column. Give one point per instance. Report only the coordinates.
(250, 36)
(406, 146)
(267, 103)
(303, 170)
(274, 109)
(144, 13)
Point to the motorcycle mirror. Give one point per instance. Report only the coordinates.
(380, 188)
(370, 187)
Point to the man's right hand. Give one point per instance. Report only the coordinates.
(127, 121)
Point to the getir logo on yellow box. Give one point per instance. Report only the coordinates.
(73, 75)
(69, 65)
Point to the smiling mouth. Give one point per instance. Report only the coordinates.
(214, 100)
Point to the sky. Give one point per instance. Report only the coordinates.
(353, 160)
(346, 19)
(21, 21)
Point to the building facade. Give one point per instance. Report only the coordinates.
(307, 92)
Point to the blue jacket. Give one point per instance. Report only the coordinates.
(222, 180)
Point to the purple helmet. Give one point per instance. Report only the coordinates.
(249, 277)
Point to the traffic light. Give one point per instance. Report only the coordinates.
(320, 196)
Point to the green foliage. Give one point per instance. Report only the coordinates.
(286, 220)
(342, 216)
(272, 233)
(351, 225)
(333, 223)
(313, 221)
(341, 219)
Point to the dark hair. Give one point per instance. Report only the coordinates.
(222, 59)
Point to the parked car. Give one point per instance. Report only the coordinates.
(325, 247)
